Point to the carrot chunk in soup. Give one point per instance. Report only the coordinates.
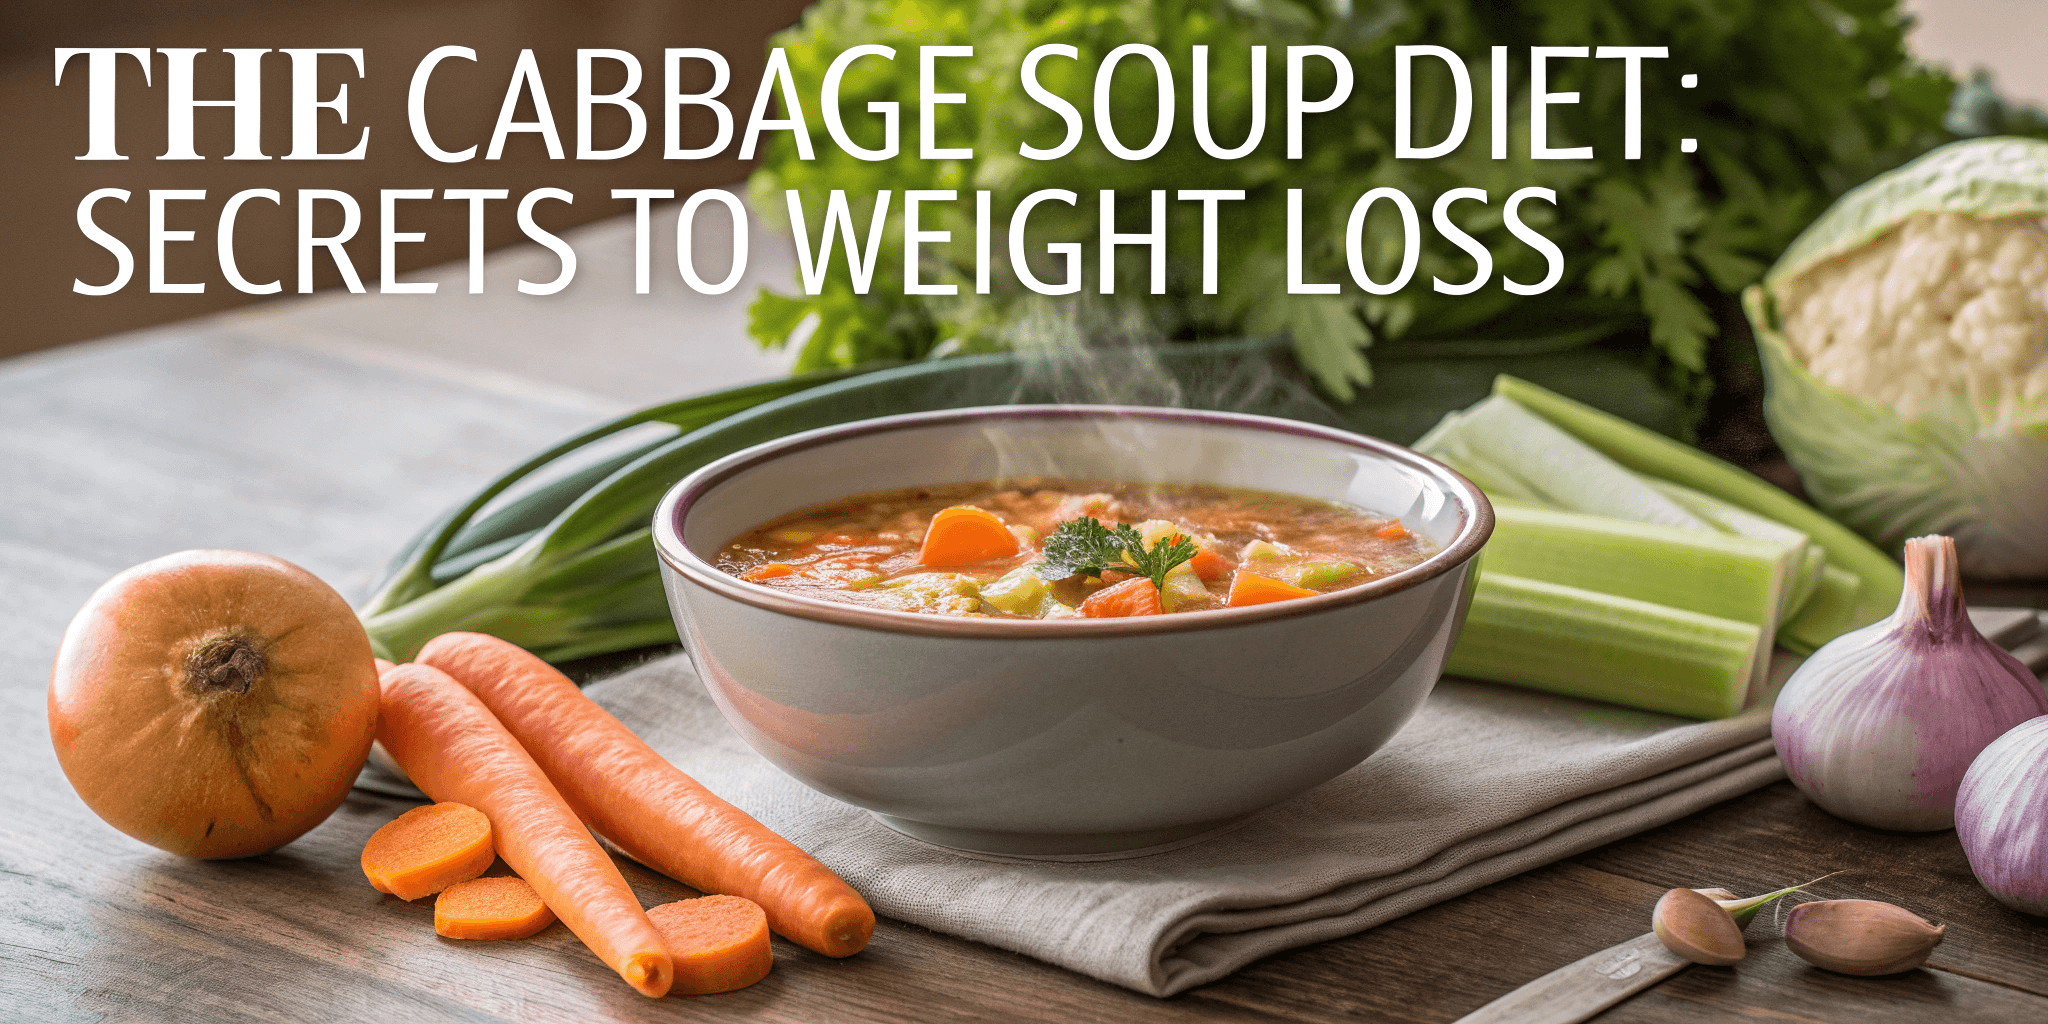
(1250, 588)
(1135, 596)
(963, 534)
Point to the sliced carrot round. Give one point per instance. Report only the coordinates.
(718, 943)
(500, 907)
(1135, 596)
(428, 849)
(963, 534)
(1251, 588)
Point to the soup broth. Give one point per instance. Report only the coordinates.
(987, 555)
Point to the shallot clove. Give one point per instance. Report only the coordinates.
(1861, 937)
(1694, 926)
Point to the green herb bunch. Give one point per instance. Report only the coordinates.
(1085, 547)
(1795, 103)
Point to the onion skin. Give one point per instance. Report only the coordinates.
(2002, 817)
(1879, 725)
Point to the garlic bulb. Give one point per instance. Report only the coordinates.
(2002, 817)
(1862, 937)
(1879, 725)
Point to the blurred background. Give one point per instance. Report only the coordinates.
(45, 129)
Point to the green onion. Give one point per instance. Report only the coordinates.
(1583, 643)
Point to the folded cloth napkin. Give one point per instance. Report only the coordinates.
(1485, 782)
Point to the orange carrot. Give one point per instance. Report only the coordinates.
(1135, 596)
(1252, 588)
(1209, 565)
(646, 806)
(768, 572)
(427, 849)
(1391, 531)
(454, 749)
(501, 907)
(963, 534)
(720, 943)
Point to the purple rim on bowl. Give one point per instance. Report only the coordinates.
(1475, 526)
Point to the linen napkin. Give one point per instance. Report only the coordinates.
(1484, 783)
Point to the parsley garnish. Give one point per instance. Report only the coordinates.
(1085, 547)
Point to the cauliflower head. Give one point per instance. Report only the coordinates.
(1943, 305)
(1904, 339)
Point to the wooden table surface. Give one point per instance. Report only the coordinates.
(261, 432)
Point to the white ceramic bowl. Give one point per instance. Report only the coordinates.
(1074, 736)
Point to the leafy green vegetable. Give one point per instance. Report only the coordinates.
(1085, 547)
(1795, 103)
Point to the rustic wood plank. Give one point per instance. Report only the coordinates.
(1441, 963)
(298, 935)
(1776, 837)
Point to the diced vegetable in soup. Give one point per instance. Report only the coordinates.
(1044, 548)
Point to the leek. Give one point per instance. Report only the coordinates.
(567, 570)
(1582, 643)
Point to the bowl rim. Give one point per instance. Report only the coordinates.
(1474, 529)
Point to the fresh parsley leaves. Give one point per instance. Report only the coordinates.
(1085, 547)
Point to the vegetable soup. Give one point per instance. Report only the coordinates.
(1045, 548)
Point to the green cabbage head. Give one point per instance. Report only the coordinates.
(1904, 339)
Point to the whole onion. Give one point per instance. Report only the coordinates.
(1879, 725)
(2002, 817)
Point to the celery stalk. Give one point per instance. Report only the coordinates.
(1718, 574)
(1829, 613)
(1500, 483)
(1711, 573)
(1582, 643)
(1742, 522)
(1646, 451)
(1558, 467)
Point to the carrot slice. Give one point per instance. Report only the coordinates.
(720, 943)
(427, 849)
(770, 571)
(1391, 531)
(1209, 565)
(1135, 596)
(963, 534)
(454, 749)
(1251, 588)
(646, 806)
(501, 907)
